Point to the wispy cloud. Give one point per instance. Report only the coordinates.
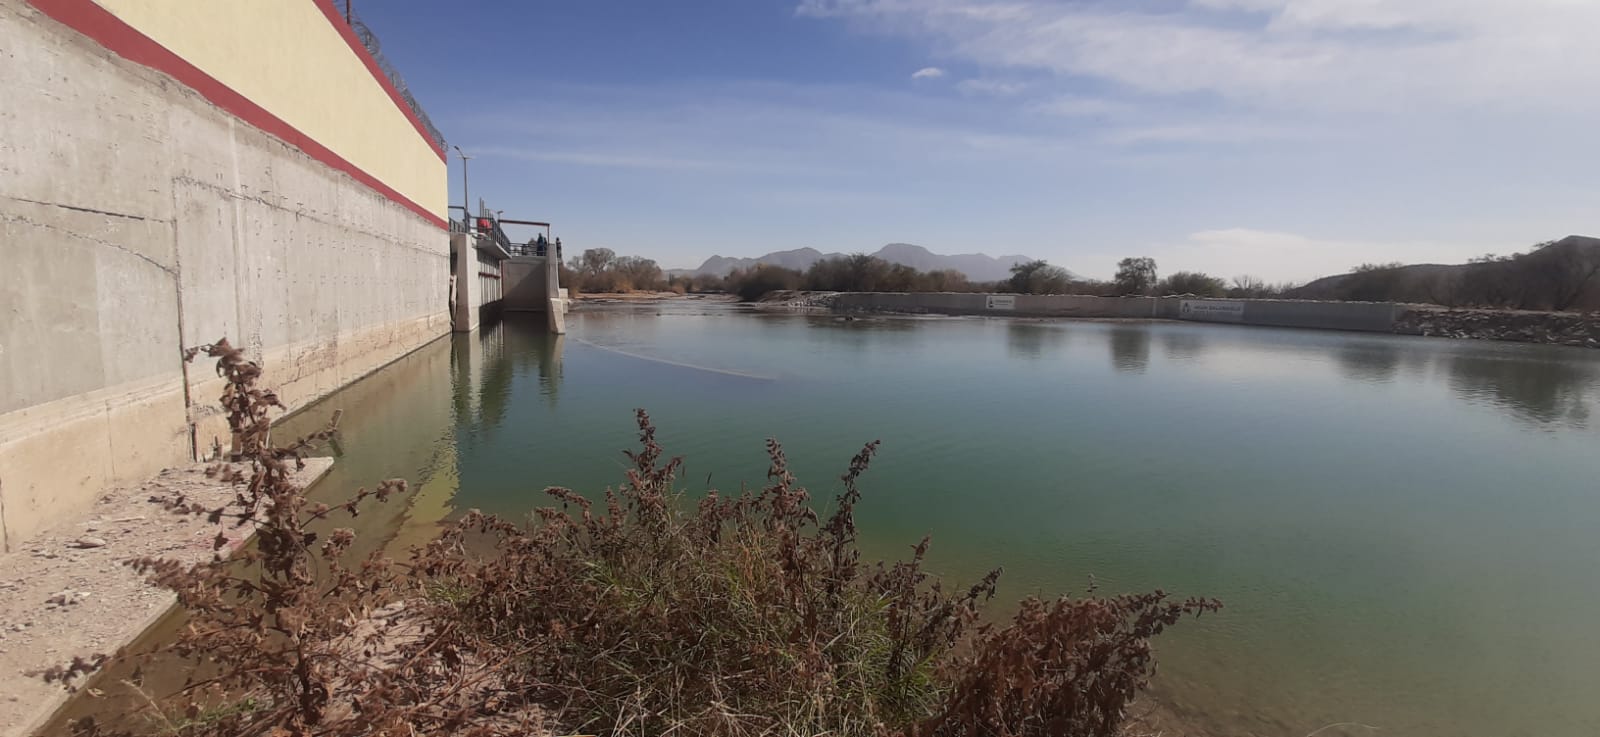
(1325, 54)
(990, 87)
(928, 73)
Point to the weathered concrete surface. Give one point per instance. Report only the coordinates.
(1375, 317)
(468, 288)
(136, 219)
(526, 284)
(323, 88)
(106, 604)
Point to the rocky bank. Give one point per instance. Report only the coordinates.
(1557, 328)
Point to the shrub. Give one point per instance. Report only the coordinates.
(1135, 275)
(760, 280)
(653, 614)
(1194, 282)
(1039, 277)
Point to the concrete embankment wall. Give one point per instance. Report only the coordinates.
(172, 173)
(527, 289)
(1365, 316)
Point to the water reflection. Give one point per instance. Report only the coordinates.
(1031, 339)
(1369, 361)
(1553, 392)
(530, 344)
(1183, 346)
(867, 331)
(1130, 348)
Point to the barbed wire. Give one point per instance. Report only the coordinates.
(374, 47)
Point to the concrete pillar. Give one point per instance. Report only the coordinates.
(464, 293)
(552, 290)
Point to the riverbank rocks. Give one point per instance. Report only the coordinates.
(800, 300)
(1555, 328)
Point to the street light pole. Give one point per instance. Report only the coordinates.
(466, 206)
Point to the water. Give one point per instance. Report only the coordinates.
(1402, 529)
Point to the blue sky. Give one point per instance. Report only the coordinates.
(1281, 138)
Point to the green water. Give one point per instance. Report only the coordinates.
(1403, 530)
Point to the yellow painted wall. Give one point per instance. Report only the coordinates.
(285, 56)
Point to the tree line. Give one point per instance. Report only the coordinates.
(863, 273)
(1556, 275)
(601, 270)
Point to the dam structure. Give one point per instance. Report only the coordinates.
(178, 172)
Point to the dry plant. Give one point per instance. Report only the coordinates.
(646, 614)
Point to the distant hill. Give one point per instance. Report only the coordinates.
(1562, 274)
(977, 266)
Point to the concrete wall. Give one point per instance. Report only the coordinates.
(1037, 305)
(1364, 316)
(526, 290)
(288, 58)
(137, 216)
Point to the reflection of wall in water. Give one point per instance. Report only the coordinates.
(396, 424)
(866, 331)
(1032, 340)
(1182, 345)
(1130, 348)
(479, 382)
(529, 344)
(1543, 392)
(1372, 362)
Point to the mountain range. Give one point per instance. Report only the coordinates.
(977, 266)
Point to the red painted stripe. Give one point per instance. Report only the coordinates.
(125, 41)
(361, 53)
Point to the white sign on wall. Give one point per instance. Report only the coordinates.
(1212, 310)
(1002, 302)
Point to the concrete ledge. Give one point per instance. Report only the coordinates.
(103, 604)
(57, 456)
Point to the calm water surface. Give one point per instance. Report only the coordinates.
(1403, 530)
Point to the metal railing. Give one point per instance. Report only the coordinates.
(375, 48)
(489, 225)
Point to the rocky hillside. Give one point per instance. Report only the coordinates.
(1559, 275)
(977, 266)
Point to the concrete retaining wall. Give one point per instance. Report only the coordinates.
(1036, 305)
(1378, 317)
(526, 288)
(1364, 316)
(136, 218)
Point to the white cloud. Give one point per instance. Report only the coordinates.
(928, 73)
(1291, 54)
